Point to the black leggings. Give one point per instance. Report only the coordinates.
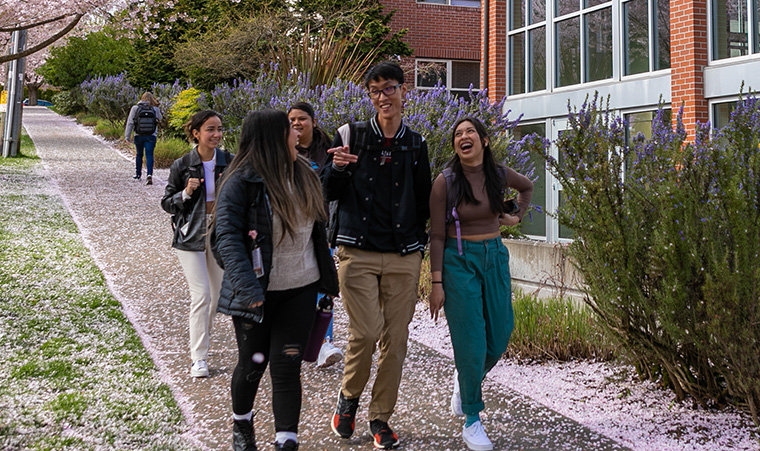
(278, 341)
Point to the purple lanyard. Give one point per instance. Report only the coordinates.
(459, 230)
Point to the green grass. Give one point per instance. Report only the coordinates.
(556, 329)
(69, 353)
(108, 130)
(169, 149)
(88, 120)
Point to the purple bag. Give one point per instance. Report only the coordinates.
(319, 328)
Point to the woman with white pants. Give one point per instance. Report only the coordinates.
(189, 196)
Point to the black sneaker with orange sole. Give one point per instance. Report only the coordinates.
(384, 436)
(344, 419)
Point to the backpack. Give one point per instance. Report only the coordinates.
(145, 121)
(359, 133)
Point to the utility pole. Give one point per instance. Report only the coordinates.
(15, 86)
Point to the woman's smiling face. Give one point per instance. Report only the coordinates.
(210, 133)
(468, 144)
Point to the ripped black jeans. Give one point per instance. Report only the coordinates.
(279, 342)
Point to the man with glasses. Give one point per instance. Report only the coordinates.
(379, 174)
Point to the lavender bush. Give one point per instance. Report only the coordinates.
(432, 113)
(166, 94)
(668, 242)
(110, 97)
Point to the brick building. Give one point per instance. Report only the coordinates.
(542, 54)
(445, 37)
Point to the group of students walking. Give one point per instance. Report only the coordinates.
(250, 234)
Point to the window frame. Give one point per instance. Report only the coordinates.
(449, 75)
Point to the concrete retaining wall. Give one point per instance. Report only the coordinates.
(543, 269)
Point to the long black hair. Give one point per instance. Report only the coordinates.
(293, 187)
(495, 182)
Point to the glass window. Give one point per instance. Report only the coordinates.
(568, 52)
(535, 222)
(562, 7)
(662, 39)
(464, 74)
(537, 58)
(517, 14)
(471, 3)
(642, 123)
(722, 114)
(537, 11)
(431, 73)
(636, 36)
(598, 34)
(730, 28)
(756, 26)
(590, 3)
(517, 63)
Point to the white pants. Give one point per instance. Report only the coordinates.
(204, 278)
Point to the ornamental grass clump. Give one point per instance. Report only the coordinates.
(668, 243)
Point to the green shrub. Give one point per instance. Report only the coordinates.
(110, 98)
(108, 130)
(169, 149)
(185, 105)
(556, 329)
(668, 242)
(65, 103)
(88, 120)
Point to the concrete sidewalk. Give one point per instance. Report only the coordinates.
(129, 235)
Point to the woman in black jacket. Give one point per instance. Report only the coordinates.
(269, 233)
(189, 196)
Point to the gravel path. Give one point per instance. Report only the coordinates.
(129, 237)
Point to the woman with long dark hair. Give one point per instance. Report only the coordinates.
(189, 196)
(270, 238)
(470, 265)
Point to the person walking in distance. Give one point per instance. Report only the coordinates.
(143, 121)
(470, 265)
(189, 196)
(379, 173)
(313, 144)
(270, 237)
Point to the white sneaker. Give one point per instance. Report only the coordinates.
(456, 397)
(475, 437)
(199, 369)
(328, 355)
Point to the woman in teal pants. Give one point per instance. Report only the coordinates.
(470, 265)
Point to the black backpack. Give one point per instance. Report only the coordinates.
(145, 121)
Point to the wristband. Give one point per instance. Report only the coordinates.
(437, 281)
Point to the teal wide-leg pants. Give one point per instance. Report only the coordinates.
(478, 310)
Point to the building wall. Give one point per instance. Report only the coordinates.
(436, 31)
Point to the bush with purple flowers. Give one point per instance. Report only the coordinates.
(110, 97)
(430, 112)
(668, 242)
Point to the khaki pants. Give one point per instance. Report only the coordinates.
(379, 292)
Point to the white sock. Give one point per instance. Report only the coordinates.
(283, 436)
(246, 416)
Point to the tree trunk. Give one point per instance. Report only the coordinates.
(33, 93)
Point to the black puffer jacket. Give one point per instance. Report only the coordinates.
(242, 206)
(189, 216)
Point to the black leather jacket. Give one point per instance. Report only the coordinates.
(353, 187)
(243, 206)
(189, 216)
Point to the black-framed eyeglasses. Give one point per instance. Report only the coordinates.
(388, 91)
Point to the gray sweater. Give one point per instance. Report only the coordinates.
(131, 119)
